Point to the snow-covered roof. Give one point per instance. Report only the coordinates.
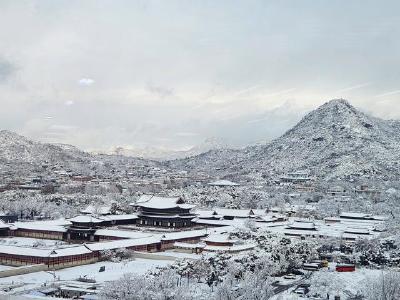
(363, 216)
(119, 217)
(357, 230)
(123, 244)
(4, 225)
(260, 212)
(42, 226)
(223, 182)
(188, 245)
(85, 219)
(354, 215)
(212, 222)
(122, 233)
(205, 213)
(158, 202)
(239, 213)
(354, 236)
(234, 248)
(219, 238)
(302, 225)
(35, 252)
(184, 234)
(272, 218)
(144, 198)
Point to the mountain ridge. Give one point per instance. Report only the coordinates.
(334, 141)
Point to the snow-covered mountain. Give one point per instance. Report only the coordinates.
(22, 156)
(160, 153)
(15, 148)
(335, 140)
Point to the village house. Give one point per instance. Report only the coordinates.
(365, 190)
(336, 191)
(295, 177)
(223, 183)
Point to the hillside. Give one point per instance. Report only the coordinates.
(335, 140)
(19, 155)
(17, 148)
(22, 156)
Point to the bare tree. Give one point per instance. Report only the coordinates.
(384, 287)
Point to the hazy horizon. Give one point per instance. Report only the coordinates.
(170, 74)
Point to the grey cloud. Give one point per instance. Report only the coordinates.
(173, 73)
(7, 69)
(160, 90)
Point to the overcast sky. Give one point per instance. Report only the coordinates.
(98, 74)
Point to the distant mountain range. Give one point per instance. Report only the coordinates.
(334, 141)
(158, 153)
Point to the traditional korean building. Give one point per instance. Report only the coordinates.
(302, 230)
(169, 240)
(53, 259)
(361, 217)
(83, 228)
(112, 220)
(164, 211)
(230, 214)
(40, 230)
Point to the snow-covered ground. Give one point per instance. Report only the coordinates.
(353, 281)
(31, 242)
(114, 270)
(3, 268)
(340, 283)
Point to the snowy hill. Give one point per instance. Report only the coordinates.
(335, 140)
(15, 148)
(22, 156)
